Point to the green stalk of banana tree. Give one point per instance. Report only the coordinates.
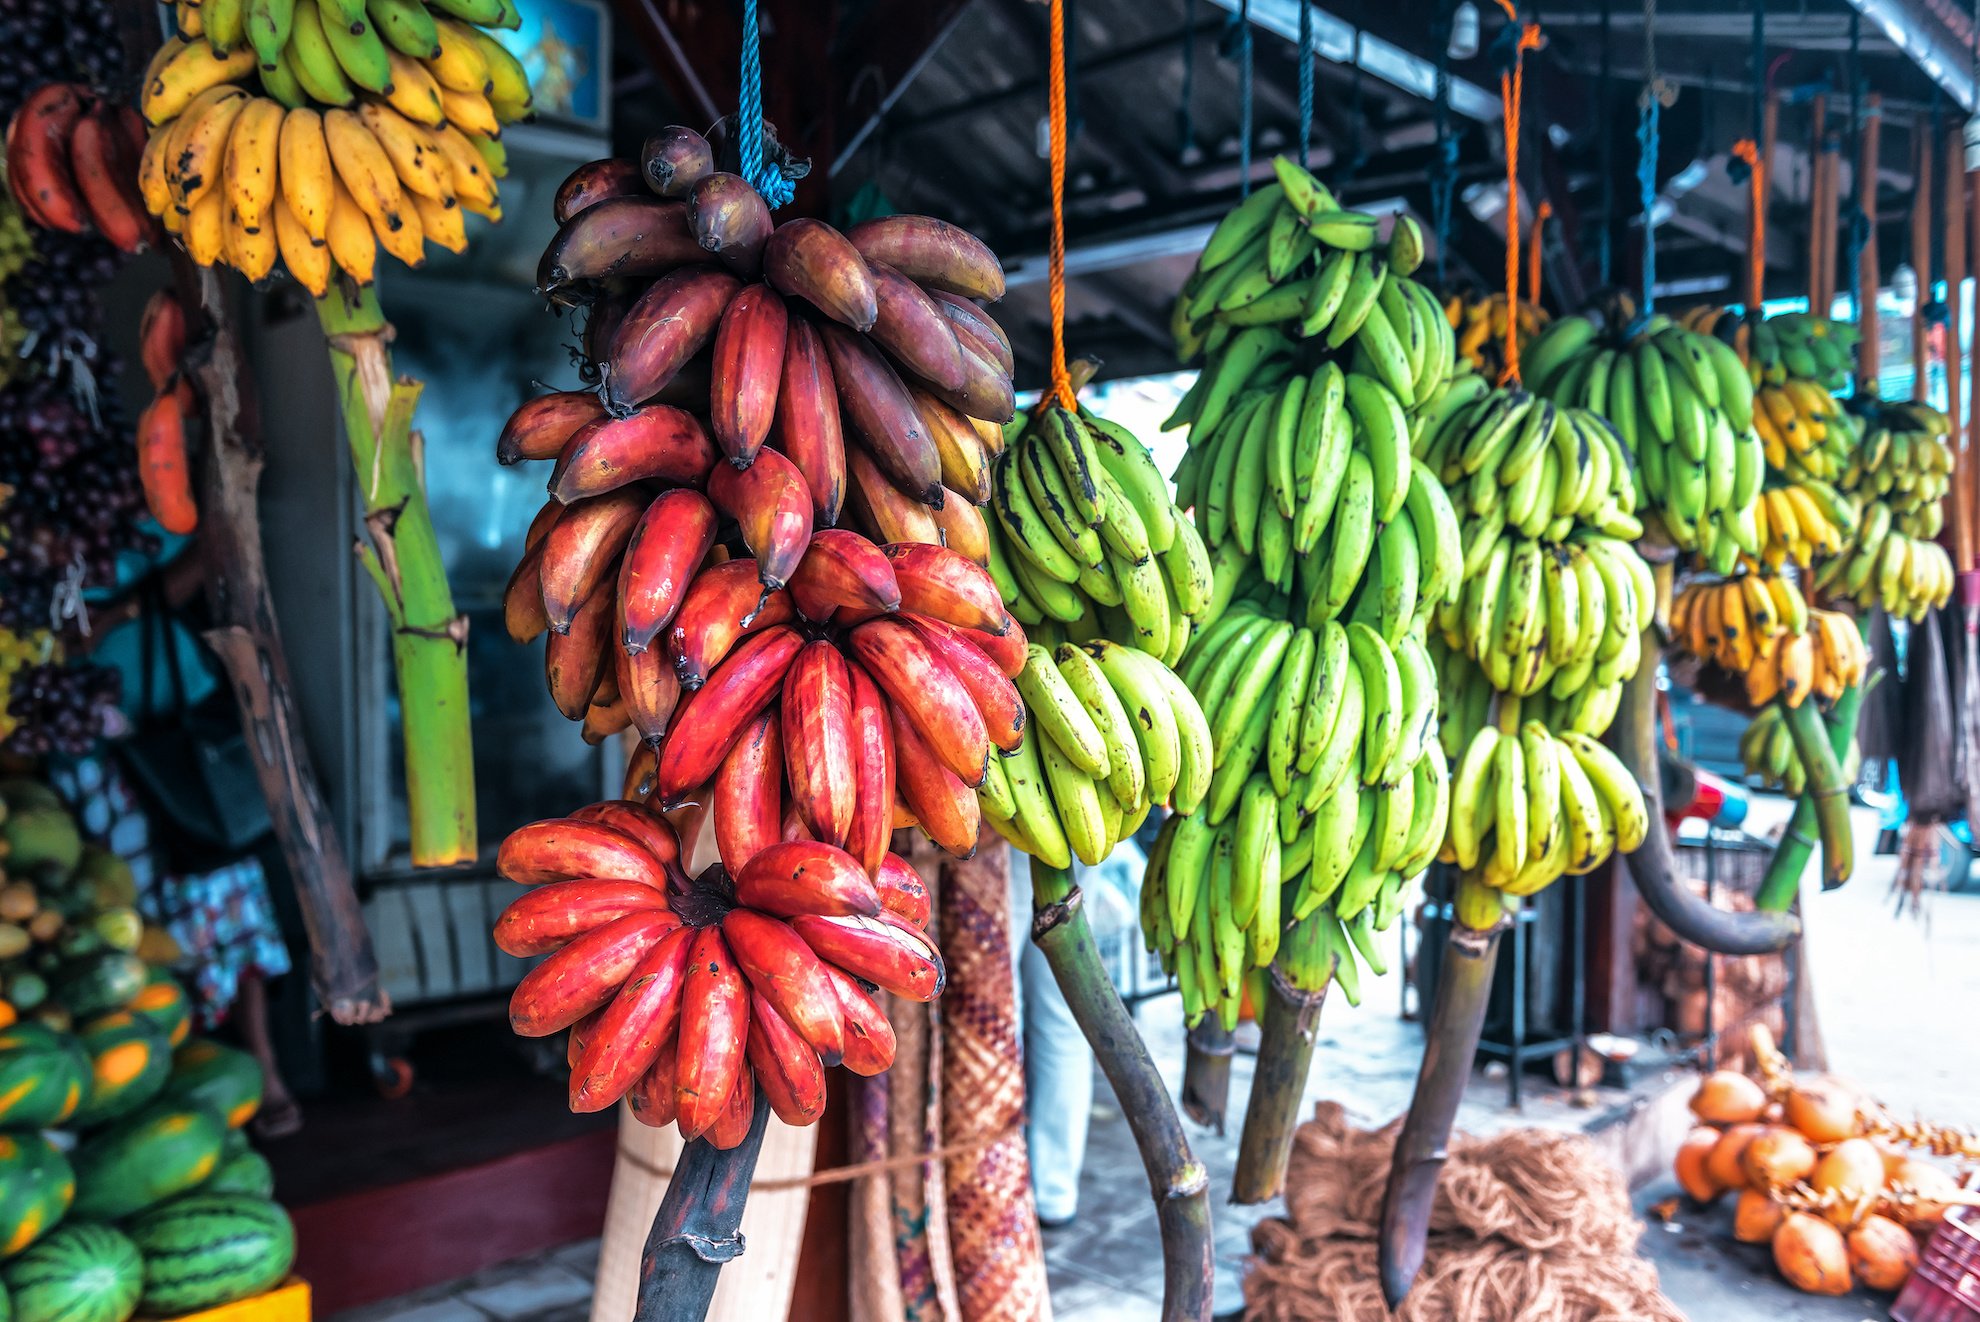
(1290, 1023)
(402, 554)
(1782, 883)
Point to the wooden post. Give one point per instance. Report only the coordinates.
(343, 968)
(1921, 253)
(1955, 241)
(1770, 128)
(1869, 353)
(1817, 190)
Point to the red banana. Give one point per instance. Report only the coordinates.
(594, 182)
(915, 679)
(602, 317)
(541, 427)
(162, 336)
(637, 783)
(963, 528)
(748, 368)
(670, 324)
(722, 605)
(732, 1126)
(995, 696)
(106, 177)
(873, 769)
(931, 252)
(911, 327)
(818, 740)
(944, 807)
(676, 159)
(606, 716)
(986, 391)
(38, 168)
(164, 468)
(785, 972)
(882, 509)
(663, 556)
(584, 974)
(575, 660)
(965, 462)
(708, 722)
(650, 689)
(575, 1039)
(730, 219)
(902, 892)
(546, 918)
(714, 1029)
(653, 832)
(771, 503)
(522, 599)
(1006, 649)
(658, 443)
(947, 585)
(794, 831)
(976, 328)
(806, 877)
(868, 1033)
(884, 951)
(634, 237)
(842, 569)
(881, 413)
(748, 803)
(626, 1038)
(582, 549)
(807, 423)
(787, 1070)
(564, 849)
(652, 1100)
(808, 259)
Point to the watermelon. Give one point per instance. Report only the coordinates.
(36, 1188)
(223, 1079)
(244, 1172)
(6, 1305)
(129, 1063)
(101, 983)
(43, 1075)
(205, 1249)
(163, 1150)
(164, 1003)
(82, 1272)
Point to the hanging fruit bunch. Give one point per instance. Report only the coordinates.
(1762, 633)
(1899, 472)
(1480, 322)
(72, 165)
(164, 467)
(796, 684)
(319, 131)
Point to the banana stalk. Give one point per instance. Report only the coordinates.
(1180, 1184)
(1782, 883)
(1290, 1023)
(1653, 867)
(1464, 986)
(1206, 1081)
(429, 637)
(698, 1226)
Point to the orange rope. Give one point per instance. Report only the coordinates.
(1756, 225)
(1512, 89)
(1062, 387)
(1533, 252)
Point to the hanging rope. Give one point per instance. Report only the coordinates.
(766, 179)
(1185, 125)
(1650, 106)
(1747, 150)
(1244, 98)
(1443, 168)
(1605, 247)
(1858, 232)
(1540, 220)
(1062, 387)
(1357, 156)
(1305, 78)
(1512, 90)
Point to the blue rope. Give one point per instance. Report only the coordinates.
(1244, 98)
(1646, 183)
(767, 179)
(1604, 247)
(1305, 78)
(1858, 227)
(1443, 171)
(1185, 126)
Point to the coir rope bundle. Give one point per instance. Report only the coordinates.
(1529, 1226)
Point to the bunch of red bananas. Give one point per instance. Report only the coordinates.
(861, 360)
(164, 465)
(688, 996)
(72, 161)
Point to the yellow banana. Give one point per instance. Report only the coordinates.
(308, 259)
(250, 165)
(307, 178)
(364, 167)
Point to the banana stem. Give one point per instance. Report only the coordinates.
(698, 1226)
(1653, 867)
(1291, 1023)
(1464, 986)
(1782, 883)
(1206, 1081)
(429, 637)
(1178, 1180)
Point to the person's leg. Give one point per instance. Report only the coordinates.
(1058, 1078)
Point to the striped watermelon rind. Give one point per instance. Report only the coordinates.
(36, 1188)
(225, 1080)
(43, 1076)
(165, 1004)
(163, 1150)
(204, 1250)
(80, 1272)
(242, 1173)
(129, 1061)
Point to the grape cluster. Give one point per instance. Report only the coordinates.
(55, 708)
(43, 41)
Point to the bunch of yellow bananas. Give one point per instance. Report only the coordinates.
(1800, 520)
(1828, 657)
(1734, 621)
(1480, 324)
(1803, 430)
(317, 131)
(1899, 475)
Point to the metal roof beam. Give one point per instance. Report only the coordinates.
(1333, 39)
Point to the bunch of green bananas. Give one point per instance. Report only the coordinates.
(1529, 805)
(1289, 256)
(1889, 568)
(1112, 732)
(1087, 537)
(1328, 774)
(1466, 697)
(1683, 405)
(1766, 750)
(1903, 460)
(1512, 460)
(1801, 344)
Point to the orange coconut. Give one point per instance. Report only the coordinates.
(1811, 1254)
(1756, 1217)
(1692, 1155)
(1777, 1158)
(1852, 1170)
(1727, 1097)
(1882, 1253)
(1825, 1112)
(1725, 1163)
(1933, 1188)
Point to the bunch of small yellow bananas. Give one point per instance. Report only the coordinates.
(1800, 520)
(1480, 324)
(1803, 431)
(318, 131)
(1731, 621)
(1903, 460)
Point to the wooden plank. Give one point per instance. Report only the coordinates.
(1922, 160)
(1869, 353)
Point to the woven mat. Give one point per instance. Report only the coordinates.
(993, 1226)
(914, 1124)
